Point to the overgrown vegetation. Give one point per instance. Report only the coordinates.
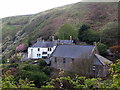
(66, 31)
(88, 83)
(22, 71)
(68, 82)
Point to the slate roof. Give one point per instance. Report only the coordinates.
(102, 59)
(64, 41)
(51, 43)
(43, 44)
(72, 51)
(79, 51)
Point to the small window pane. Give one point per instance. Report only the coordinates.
(63, 60)
(44, 53)
(93, 67)
(55, 59)
(38, 49)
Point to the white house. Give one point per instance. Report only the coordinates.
(43, 49)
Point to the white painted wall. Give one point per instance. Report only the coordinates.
(33, 51)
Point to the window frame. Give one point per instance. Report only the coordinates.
(44, 53)
(93, 67)
(64, 61)
(55, 60)
(38, 49)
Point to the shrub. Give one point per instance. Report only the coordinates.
(115, 50)
(38, 77)
(47, 70)
(42, 63)
(31, 68)
(14, 65)
(4, 60)
(102, 48)
(20, 47)
(15, 59)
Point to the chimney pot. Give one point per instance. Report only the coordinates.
(70, 37)
(53, 38)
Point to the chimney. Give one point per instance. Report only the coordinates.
(53, 38)
(39, 39)
(43, 41)
(95, 44)
(71, 38)
(58, 42)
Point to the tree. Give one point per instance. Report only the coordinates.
(109, 33)
(81, 31)
(66, 31)
(91, 36)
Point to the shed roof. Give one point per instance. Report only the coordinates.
(73, 51)
(103, 60)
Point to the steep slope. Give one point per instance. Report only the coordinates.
(26, 29)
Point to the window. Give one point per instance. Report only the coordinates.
(63, 60)
(55, 59)
(38, 55)
(72, 60)
(44, 53)
(38, 49)
(49, 49)
(45, 57)
(93, 67)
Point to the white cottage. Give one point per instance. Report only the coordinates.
(43, 49)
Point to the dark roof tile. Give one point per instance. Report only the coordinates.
(72, 51)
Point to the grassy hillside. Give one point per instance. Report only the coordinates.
(26, 29)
